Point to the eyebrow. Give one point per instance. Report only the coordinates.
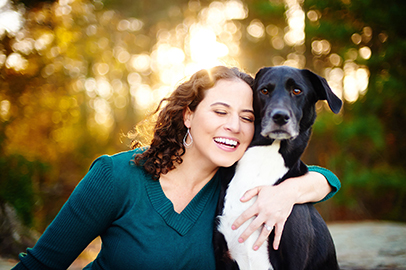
(228, 106)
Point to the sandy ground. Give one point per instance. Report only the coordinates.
(360, 246)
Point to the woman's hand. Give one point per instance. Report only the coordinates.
(274, 205)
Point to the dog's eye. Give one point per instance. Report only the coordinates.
(296, 91)
(265, 91)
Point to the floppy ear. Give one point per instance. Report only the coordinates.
(324, 91)
(256, 103)
(260, 73)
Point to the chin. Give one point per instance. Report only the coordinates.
(227, 162)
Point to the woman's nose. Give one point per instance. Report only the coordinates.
(233, 123)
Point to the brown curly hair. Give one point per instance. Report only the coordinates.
(167, 147)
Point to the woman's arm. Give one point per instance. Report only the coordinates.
(83, 217)
(275, 203)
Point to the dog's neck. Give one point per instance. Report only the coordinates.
(291, 150)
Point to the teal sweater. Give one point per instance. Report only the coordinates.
(139, 228)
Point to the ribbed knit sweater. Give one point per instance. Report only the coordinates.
(139, 228)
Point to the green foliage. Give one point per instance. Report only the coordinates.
(17, 179)
(370, 145)
(267, 10)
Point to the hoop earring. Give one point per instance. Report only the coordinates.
(187, 145)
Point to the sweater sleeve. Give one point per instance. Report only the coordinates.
(85, 215)
(331, 178)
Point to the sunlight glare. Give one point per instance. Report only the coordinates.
(209, 39)
(17, 62)
(168, 55)
(365, 52)
(204, 48)
(296, 21)
(5, 109)
(235, 10)
(103, 112)
(10, 21)
(103, 88)
(3, 3)
(142, 96)
(141, 62)
(355, 81)
(256, 29)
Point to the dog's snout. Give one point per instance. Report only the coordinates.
(280, 117)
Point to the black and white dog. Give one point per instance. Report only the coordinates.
(286, 98)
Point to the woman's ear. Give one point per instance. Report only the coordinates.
(187, 117)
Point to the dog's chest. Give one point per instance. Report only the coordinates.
(260, 165)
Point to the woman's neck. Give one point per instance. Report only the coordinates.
(181, 184)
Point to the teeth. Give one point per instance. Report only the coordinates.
(226, 141)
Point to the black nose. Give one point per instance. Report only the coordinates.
(280, 117)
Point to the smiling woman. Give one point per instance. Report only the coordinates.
(168, 197)
(145, 202)
(181, 111)
(222, 125)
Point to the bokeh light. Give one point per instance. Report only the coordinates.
(129, 67)
(11, 20)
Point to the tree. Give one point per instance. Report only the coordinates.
(370, 148)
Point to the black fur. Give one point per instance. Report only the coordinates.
(306, 242)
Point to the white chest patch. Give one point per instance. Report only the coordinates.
(260, 165)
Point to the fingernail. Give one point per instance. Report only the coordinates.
(240, 240)
(233, 227)
(256, 248)
(242, 198)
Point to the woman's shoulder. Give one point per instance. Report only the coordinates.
(119, 160)
(119, 173)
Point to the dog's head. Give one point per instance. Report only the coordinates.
(287, 97)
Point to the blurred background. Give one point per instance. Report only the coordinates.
(75, 75)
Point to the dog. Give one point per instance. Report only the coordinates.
(285, 98)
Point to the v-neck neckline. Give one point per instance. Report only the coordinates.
(184, 221)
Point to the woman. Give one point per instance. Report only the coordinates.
(156, 211)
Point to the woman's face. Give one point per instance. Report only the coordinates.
(222, 126)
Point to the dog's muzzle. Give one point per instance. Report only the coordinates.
(279, 125)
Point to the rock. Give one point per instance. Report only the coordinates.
(372, 245)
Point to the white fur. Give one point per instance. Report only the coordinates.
(260, 165)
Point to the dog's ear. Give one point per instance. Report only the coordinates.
(324, 91)
(261, 71)
(257, 103)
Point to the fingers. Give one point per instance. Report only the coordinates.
(266, 230)
(278, 235)
(255, 224)
(245, 216)
(248, 195)
(269, 208)
(250, 212)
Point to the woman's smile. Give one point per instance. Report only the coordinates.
(222, 126)
(226, 143)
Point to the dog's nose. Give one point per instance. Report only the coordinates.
(280, 117)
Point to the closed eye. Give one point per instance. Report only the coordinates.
(220, 112)
(248, 119)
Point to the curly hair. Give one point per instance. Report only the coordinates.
(166, 147)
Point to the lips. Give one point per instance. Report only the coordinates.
(226, 142)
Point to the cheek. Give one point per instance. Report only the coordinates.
(298, 114)
(249, 132)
